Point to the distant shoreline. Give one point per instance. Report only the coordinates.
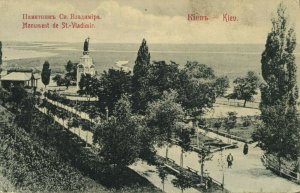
(16, 54)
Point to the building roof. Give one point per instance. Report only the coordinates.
(19, 76)
(22, 69)
(36, 76)
(121, 63)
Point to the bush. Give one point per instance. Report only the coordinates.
(217, 124)
(33, 165)
(230, 120)
(246, 121)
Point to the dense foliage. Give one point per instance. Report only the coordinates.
(245, 87)
(60, 81)
(112, 85)
(230, 120)
(118, 138)
(30, 165)
(88, 86)
(279, 134)
(163, 117)
(139, 79)
(46, 72)
(69, 77)
(197, 88)
(71, 69)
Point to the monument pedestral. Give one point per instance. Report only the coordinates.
(85, 65)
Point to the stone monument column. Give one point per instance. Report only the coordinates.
(85, 65)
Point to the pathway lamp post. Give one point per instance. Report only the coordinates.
(206, 176)
(106, 109)
(222, 164)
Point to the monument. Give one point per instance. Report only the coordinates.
(85, 65)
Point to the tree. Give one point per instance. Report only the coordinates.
(197, 88)
(162, 77)
(163, 116)
(118, 138)
(139, 79)
(71, 69)
(147, 136)
(230, 120)
(88, 86)
(245, 87)
(46, 72)
(58, 79)
(162, 173)
(218, 124)
(17, 94)
(197, 93)
(182, 181)
(279, 134)
(0, 53)
(221, 85)
(184, 142)
(204, 155)
(67, 80)
(25, 115)
(4, 96)
(112, 85)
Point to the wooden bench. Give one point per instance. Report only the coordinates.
(171, 160)
(192, 170)
(171, 168)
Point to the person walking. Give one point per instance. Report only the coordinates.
(245, 150)
(229, 160)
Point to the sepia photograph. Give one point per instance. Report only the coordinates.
(144, 96)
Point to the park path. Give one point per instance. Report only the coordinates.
(142, 168)
(247, 173)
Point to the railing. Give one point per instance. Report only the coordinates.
(268, 163)
(230, 136)
(237, 103)
(192, 170)
(217, 182)
(171, 168)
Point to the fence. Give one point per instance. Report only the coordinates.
(230, 136)
(237, 103)
(240, 103)
(291, 175)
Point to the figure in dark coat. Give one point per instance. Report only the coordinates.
(229, 160)
(245, 150)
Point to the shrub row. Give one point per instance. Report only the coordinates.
(31, 165)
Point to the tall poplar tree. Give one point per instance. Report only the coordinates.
(46, 72)
(279, 134)
(139, 79)
(0, 53)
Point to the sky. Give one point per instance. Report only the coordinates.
(159, 21)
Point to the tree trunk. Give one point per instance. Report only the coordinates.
(181, 158)
(167, 150)
(279, 164)
(202, 171)
(298, 164)
(245, 103)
